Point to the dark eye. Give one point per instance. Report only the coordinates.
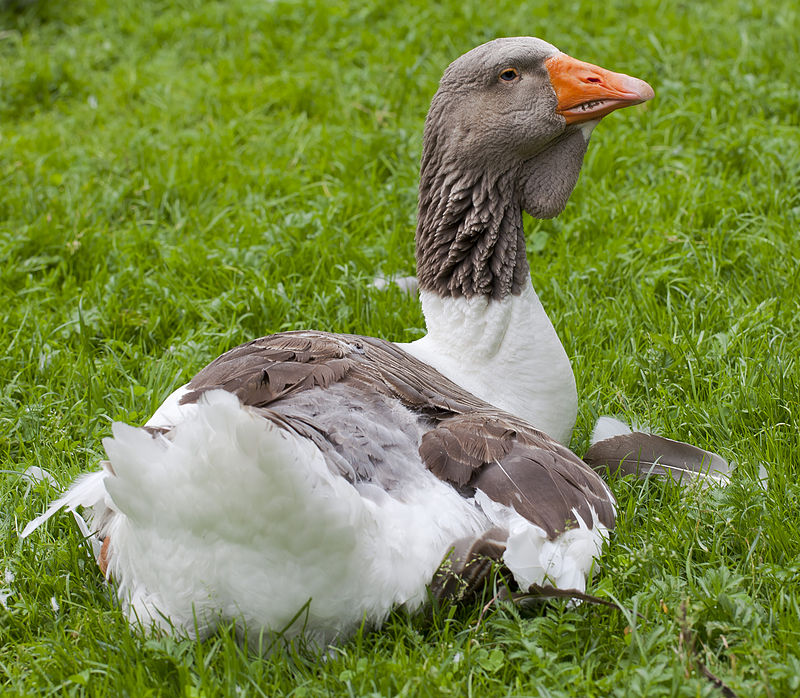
(509, 75)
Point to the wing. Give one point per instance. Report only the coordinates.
(526, 470)
(465, 440)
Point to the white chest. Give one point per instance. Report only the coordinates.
(505, 352)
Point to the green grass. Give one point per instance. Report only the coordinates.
(177, 177)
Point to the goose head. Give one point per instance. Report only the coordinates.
(506, 132)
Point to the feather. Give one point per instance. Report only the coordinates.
(644, 455)
(763, 477)
(461, 445)
(86, 491)
(407, 284)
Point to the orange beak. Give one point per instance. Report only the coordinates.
(586, 92)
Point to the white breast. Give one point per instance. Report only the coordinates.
(505, 352)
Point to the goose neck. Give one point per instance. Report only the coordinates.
(470, 241)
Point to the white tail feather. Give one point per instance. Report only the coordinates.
(86, 491)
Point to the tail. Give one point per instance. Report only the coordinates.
(88, 492)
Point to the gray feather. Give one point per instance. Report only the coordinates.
(485, 159)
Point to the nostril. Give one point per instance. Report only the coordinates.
(593, 80)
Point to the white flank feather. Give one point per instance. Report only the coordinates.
(171, 411)
(533, 559)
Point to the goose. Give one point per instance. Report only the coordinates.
(308, 482)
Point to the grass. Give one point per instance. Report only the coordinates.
(178, 177)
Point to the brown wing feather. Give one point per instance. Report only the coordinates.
(459, 445)
(540, 479)
(546, 488)
(267, 369)
(476, 445)
(465, 571)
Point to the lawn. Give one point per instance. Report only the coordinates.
(178, 177)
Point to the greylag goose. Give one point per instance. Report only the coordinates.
(308, 481)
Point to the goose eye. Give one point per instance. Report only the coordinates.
(509, 75)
